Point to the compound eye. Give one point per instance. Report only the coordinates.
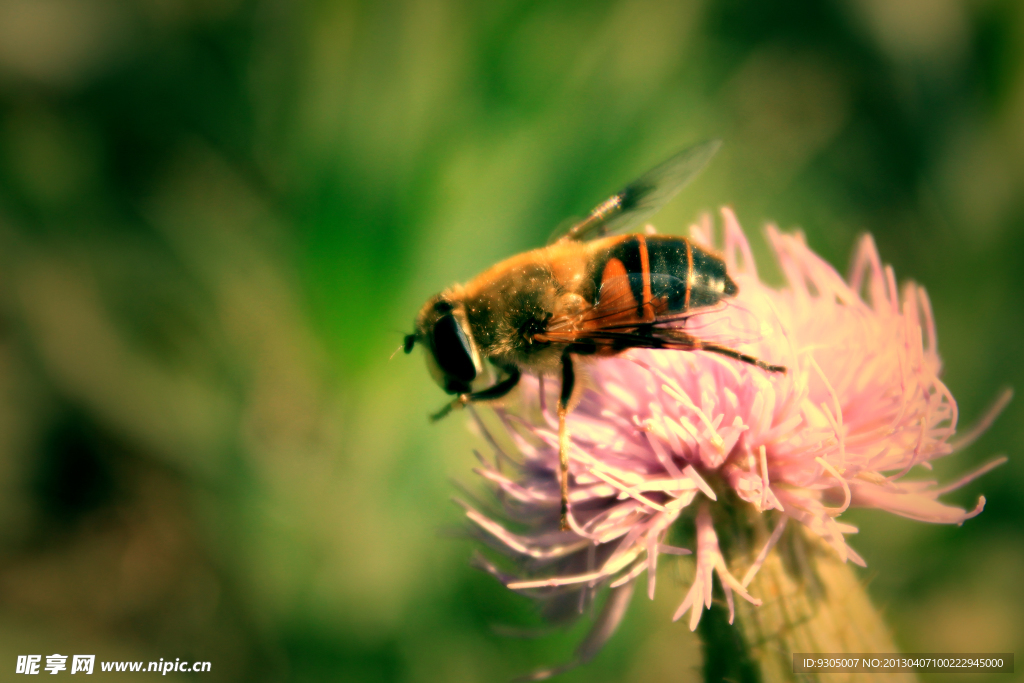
(453, 351)
(452, 348)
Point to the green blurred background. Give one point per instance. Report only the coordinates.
(218, 218)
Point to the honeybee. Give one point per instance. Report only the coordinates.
(587, 294)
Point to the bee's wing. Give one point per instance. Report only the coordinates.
(613, 322)
(643, 197)
(618, 321)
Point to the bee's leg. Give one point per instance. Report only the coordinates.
(489, 394)
(568, 383)
(458, 402)
(732, 353)
(678, 339)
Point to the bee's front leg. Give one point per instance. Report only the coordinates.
(568, 383)
(459, 401)
(489, 394)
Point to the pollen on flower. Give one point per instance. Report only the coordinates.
(860, 406)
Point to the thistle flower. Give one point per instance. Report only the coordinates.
(663, 437)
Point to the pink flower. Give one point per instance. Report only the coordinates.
(661, 435)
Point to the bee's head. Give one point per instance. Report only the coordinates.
(452, 356)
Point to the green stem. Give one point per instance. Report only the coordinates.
(811, 602)
(726, 654)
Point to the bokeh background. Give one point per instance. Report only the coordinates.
(218, 218)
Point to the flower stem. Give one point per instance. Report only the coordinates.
(812, 603)
(726, 654)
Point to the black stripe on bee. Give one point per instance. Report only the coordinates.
(672, 268)
(667, 257)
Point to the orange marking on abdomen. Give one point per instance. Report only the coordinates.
(689, 275)
(647, 309)
(616, 303)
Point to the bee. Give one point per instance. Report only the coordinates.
(587, 294)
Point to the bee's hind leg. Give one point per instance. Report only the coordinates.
(568, 383)
(750, 360)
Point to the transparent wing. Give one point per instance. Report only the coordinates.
(618, 321)
(643, 197)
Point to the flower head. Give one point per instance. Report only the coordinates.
(661, 437)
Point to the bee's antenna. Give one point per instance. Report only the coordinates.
(410, 341)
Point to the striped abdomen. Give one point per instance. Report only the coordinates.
(657, 276)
